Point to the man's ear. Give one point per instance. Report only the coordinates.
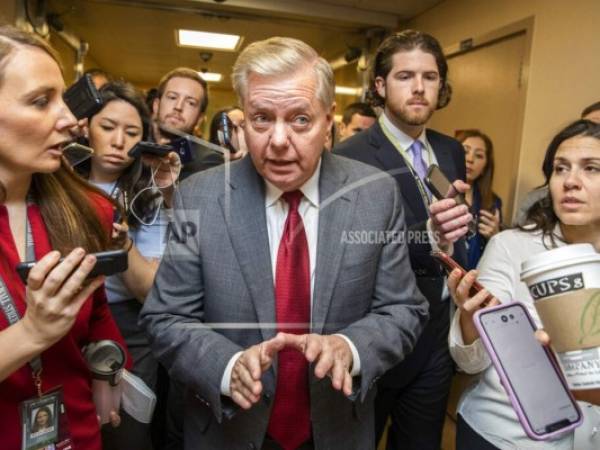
(331, 114)
(380, 86)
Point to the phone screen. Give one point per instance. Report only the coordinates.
(440, 181)
(76, 153)
(533, 377)
(440, 186)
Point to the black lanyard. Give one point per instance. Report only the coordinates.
(6, 301)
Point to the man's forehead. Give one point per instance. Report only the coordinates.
(297, 90)
(185, 86)
(259, 100)
(407, 59)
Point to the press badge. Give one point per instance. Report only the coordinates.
(44, 423)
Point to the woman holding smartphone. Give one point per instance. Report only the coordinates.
(46, 212)
(144, 190)
(570, 214)
(486, 206)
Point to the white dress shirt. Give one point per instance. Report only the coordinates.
(406, 141)
(276, 209)
(428, 155)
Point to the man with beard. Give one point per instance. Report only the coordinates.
(409, 80)
(179, 106)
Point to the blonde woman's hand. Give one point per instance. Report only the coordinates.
(55, 293)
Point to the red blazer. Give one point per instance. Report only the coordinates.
(63, 364)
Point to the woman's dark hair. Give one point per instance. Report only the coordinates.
(590, 109)
(68, 205)
(150, 96)
(541, 214)
(484, 181)
(407, 41)
(35, 428)
(136, 176)
(214, 123)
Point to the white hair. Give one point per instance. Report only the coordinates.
(279, 56)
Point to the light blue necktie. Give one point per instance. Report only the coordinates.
(416, 150)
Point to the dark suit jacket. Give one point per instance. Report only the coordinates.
(213, 296)
(373, 147)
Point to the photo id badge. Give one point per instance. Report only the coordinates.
(44, 423)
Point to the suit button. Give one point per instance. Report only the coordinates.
(267, 398)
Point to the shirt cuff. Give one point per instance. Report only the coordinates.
(449, 250)
(226, 380)
(355, 358)
(472, 358)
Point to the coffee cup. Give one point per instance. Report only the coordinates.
(565, 286)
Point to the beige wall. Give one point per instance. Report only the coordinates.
(564, 72)
(68, 58)
(8, 12)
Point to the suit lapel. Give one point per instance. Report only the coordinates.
(336, 206)
(245, 216)
(393, 163)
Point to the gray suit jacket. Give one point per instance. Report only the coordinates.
(213, 296)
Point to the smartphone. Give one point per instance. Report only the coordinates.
(450, 264)
(183, 147)
(528, 371)
(82, 98)
(441, 187)
(224, 132)
(150, 148)
(107, 263)
(76, 153)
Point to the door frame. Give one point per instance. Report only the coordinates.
(521, 27)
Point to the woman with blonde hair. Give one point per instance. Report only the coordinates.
(46, 211)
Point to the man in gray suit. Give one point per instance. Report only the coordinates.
(291, 292)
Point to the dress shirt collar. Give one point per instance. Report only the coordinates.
(404, 139)
(310, 189)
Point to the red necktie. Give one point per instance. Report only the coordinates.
(289, 424)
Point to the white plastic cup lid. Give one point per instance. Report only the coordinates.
(558, 258)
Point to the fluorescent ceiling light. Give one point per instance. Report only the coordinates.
(204, 39)
(211, 76)
(345, 90)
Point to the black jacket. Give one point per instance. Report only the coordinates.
(372, 147)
